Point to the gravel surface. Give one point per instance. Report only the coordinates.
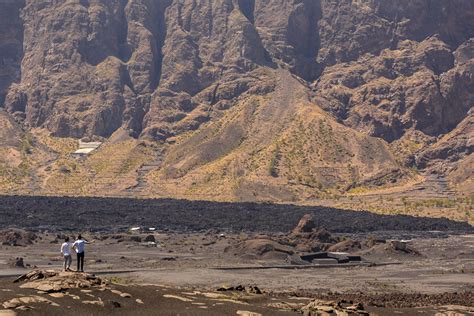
(107, 214)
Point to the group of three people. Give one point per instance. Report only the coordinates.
(79, 247)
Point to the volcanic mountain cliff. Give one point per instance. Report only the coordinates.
(281, 100)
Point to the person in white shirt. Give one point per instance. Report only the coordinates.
(80, 245)
(66, 252)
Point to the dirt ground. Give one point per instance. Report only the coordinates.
(163, 300)
(194, 258)
(438, 278)
(157, 300)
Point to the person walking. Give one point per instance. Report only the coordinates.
(79, 246)
(66, 252)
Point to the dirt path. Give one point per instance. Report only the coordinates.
(432, 187)
(274, 115)
(143, 172)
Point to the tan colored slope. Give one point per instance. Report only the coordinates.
(11, 157)
(462, 177)
(278, 147)
(10, 133)
(306, 157)
(108, 171)
(458, 146)
(20, 157)
(274, 147)
(42, 164)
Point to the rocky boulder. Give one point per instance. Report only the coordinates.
(322, 235)
(150, 238)
(320, 307)
(17, 237)
(401, 246)
(261, 249)
(348, 245)
(305, 225)
(51, 281)
(17, 263)
(25, 301)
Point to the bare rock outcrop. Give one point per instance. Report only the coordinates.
(11, 44)
(401, 89)
(17, 237)
(24, 301)
(51, 281)
(305, 225)
(320, 307)
(261, 249)
(159, 66)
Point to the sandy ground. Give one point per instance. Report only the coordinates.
(154, 300)
(186, 262)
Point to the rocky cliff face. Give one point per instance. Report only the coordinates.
(11, 44)
(400, 71)
(161, 67)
